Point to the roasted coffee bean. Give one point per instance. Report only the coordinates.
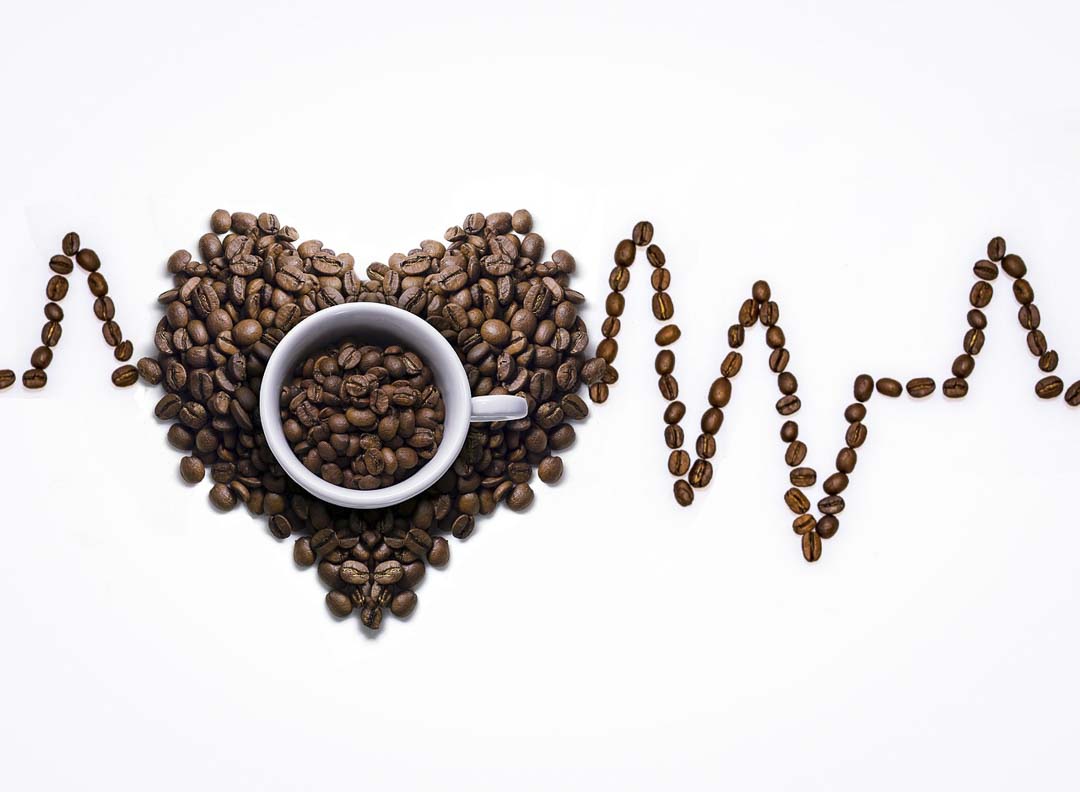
(1014, 265)
(1036, 342)
(701, 473)
(125, 376)
(667, 335)
(57, 288)
(34, 379)
(803, 524)
(803, 477)
(833, 504)
(732, 365)
(796, 500)
(1072, 395)
(796, 453)
(662, 307)
(976, 319)
(854, 412)
(955, 388)
(1030, 317)
(643, 233)
(550, 469)
(104, 309)
(1049, 361)
(124, 351)
(995, 250)
(7, 378)
(1023, 292)
(53, 312)
(61, 265)
(150, 371)
(835, 484)
(963, 366)
(41, 357)
(887, 386)
(981, 294)
(973, 341)
(88, 260)
(51, 333)
(711, 420)
(920, 387)
(684, 493)
(864, 387)
(112, 334)
(987, 270)
(788, 405)
(855, 435)
(720, 392)
(827, 526)
(70, 243)
(1049, 387)
(846, 460)
(678, 462)
(192, 469)
(706, 445)
(673, 436)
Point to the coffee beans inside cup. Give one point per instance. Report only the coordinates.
(363, 416)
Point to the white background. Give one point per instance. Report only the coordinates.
(857, 155)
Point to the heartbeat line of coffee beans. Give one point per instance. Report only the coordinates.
(62, 265)
(760, 307)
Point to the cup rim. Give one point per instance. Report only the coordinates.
(411, 331)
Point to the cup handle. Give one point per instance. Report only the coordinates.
(498, 408)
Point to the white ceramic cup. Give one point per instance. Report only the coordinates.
(374, 323)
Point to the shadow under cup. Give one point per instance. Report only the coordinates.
(376, 324)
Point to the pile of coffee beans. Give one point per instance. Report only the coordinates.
(760, 307)
(363, 416)
(489, 287)
(63, 265)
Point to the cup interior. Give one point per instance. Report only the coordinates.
(367, 323)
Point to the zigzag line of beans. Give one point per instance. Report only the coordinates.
(760, 307)
(62, 265)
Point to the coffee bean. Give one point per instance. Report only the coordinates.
(124, 351)
(955, 388)
(981, 294)
(973, 341)
(732, 364)
(667, 335)
(760, 291)
(550, 469)
(995, 250)
(53, 312)
(855, 435)
(803, 477)
(846, 460)
(1049, 387)
(125, 376)
(887, 386)
(706, 445)
(57, 288)
(788, 405)
(803, 524)
(669, 387)
(1072, 395)
(7, 378)
(678, 462)
(720, 392)
(41, 357)
(963, 366)
(220, 221)
(796, 500)
(192, 469)
(673, 436)
(864, 387)
(662, 307)
(854, 412)
(1023, 292)
(51, 333)
(789, 432)
(112, 333)
(701, 473)
(168, 407)
(150, 371)
(811, 546)
(827, 526)
(34, 379)
(1049, 361)
(99, 287)
(976, 319)
(920, 387)
(520, 498)
(61, 265)
(643, 233)
(778, 360)
(787, 383)
(104, 309)
(684, 494)
(711, 420)
(1029, 316)
(833, 504)
(987, 270)
(661, 280)
(624, 253)
(835, 484)
(796, 453)
(88, 260)
(655, 256)
(1036, 342)
(1014, 266)
(70, 243)
(339, 604)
